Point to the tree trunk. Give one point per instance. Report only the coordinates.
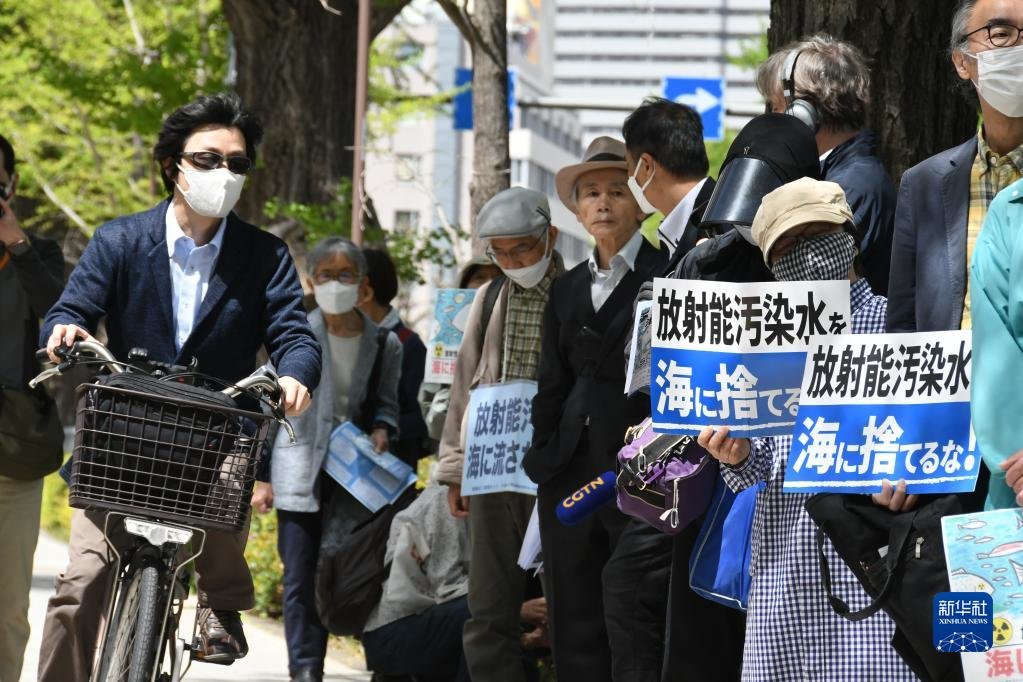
(491, 163)
(484, 28)
(295, 64)
(915, 106)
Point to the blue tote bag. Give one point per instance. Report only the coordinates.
(719, 564)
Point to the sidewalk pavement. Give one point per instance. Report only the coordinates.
(268, 656)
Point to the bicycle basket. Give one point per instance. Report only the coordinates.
(164, 449)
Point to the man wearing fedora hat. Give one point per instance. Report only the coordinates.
(580, 412)
(502, 342)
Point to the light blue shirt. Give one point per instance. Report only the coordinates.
(191, 267)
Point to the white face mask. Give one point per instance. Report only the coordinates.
(637, 191)
(335, 298)
(1000, 76)
(212, 193)
(529, 276)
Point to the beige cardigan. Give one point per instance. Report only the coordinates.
(479, 363)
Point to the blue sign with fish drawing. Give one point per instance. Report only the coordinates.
(984, 553)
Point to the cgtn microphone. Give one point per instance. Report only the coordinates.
(587, 500)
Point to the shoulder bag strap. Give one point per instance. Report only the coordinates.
(901, 526)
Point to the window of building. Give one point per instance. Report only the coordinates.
(405, 221)
(407, 167)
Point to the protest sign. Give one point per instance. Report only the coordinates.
(984, 553)
(885, 406)
(374, 479)
(497, 436)
(733, 354)
(637, 375)
(451, 313)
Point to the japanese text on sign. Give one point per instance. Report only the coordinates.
(733, 354)
(885, 406)
(498, 435)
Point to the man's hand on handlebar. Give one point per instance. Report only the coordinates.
(296, 396)
(262, 497)
(65, 335)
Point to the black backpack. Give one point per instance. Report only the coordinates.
(350, 568)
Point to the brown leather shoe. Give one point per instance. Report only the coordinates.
(221, 637)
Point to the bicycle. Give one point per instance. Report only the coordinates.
(165, 461)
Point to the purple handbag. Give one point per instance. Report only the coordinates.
(664, 480)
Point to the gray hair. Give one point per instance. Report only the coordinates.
(960, 22)
(831, 74)
(329, 247)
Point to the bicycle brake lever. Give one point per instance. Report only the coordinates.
(289, 428)
(43, 376)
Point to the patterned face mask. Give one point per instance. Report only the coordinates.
(826, 257)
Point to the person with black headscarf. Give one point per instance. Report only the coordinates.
(768, 152)
(704, 641)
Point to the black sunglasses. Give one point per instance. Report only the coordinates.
(206, 160)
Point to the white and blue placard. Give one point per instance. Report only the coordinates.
(706, 96)
(451, 314)
(732, 355)
(498, 433)
(879, 407)
(374, 479)
(984, 557)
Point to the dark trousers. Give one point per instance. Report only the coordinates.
(636, 602)
(298, 543)
(427, 646)
(573, 561)
(704, 639)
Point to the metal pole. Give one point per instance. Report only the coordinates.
(361, 86)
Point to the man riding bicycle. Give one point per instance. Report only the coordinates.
(185, 280)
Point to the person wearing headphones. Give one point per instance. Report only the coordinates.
(825, 83)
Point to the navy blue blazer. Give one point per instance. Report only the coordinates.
(929, 244)
(254, 299)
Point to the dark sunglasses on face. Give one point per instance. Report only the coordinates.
(207, 160)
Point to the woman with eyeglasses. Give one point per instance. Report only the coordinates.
(350, 390)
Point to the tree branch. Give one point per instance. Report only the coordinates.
(460, 18)
(140, 42)
(383, 14)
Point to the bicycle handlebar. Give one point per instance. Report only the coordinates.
(264, 380)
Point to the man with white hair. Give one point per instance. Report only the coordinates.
(826, 84)
(944, 199)
(580, 412)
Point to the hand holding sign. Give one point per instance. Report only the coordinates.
(730, 451)
(895, 499)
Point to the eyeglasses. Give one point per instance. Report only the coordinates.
(343, 276)
(998, 35)
(512, 254)
(207, 160)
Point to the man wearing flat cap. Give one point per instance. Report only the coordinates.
(580, 412)
(501, 343)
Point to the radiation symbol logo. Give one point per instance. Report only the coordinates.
(1003, 632)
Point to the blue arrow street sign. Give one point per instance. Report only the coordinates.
(706, 96)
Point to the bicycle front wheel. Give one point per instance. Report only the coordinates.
(132, 638)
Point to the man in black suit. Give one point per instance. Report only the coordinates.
(668, 166)
(580, 413)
